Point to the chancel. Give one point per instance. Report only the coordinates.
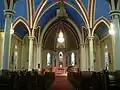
(60, 44)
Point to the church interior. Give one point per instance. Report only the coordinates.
(60, 44)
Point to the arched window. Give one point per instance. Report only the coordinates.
(106, 58)
(60, 59)
(73, 59)
(48, 59)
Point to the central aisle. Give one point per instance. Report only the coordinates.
(61, 83)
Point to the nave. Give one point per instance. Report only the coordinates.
(60, 44)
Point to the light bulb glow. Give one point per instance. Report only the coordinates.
(11, 30)
(111, 25)
(111, 31)
(61, 35)
(60, 40)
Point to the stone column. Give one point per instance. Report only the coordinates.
(1, 43)
(117, 43)
(91, 53)
(19, 50)
(115, 14)
(31, 38)
(98, 58)
(102, 47)
(22, 56)
(38, 56)
(35, 56)
(83, 66)
(87, 57)
(9, 13)
(77, 59)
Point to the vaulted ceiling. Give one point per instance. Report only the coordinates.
(100, 7)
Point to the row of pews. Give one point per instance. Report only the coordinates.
(87, 80)
(27, 80)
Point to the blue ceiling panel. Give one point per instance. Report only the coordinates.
(74, 15)
(50, 2)
(85, 3)
(52, 13)
(72, 2)
(20, 31)
(36, 3)
(102, 31)
(48, 15)
(2, 18)
(102, 9)
(20, 9)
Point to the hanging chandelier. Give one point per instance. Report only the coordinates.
(60, 38)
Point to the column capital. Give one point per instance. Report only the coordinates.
(82, 45)
(115, 13)
(114, 7)
(38, 44)
(9, 12)
(90, 37)
(31, 37)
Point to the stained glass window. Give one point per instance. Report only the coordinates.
(48, 59)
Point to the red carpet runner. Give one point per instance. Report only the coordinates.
(61, 83)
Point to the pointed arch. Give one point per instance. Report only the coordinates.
(98, 22)
(55, 18)
(39, 9)
(23, 21)
(82, 9)
(84, 12)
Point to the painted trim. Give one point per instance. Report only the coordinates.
(22, 20)
(85, 14)
(38, 12)
(99, 21)
(30, 13)
(92, 12)
(84, 32)
(39, 27)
